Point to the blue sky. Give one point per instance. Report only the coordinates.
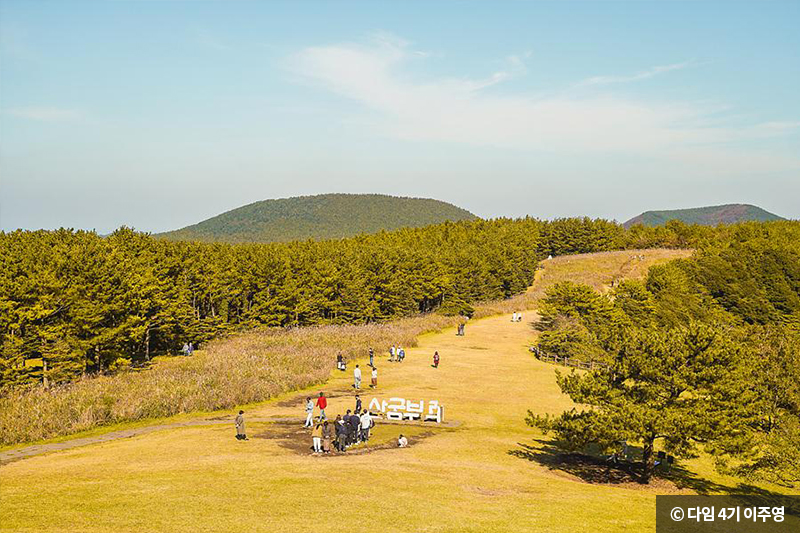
(160, 113)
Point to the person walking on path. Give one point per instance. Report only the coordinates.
(309, 413)
(327, 433)
(316, 437)
(392, 351)
(436, 359)
(357, 377)
(366, 424)
(401, 354)
(322, 403)
(239, 423)
(358, 403)
(374, 384)
(371, 357)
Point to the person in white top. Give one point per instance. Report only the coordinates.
(514, 317)
(357, 377)
(374, 377)
(366, 424)
(402, 442)
(309, 413)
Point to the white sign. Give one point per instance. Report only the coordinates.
(402, 409)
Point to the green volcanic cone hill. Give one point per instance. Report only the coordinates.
(325, 216)
(707, 216)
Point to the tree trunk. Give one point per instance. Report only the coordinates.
(147, 344)
(647, 460)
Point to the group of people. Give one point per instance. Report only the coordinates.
(357, 378)
(396, 354)
(188, 348)
(516, 317)
(348, 430)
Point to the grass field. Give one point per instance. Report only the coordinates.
(490, 472)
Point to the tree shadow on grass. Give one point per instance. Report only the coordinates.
(595, 469)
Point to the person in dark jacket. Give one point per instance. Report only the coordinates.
(348, 428)
(358, 403)
(341, 434)
(355, 428)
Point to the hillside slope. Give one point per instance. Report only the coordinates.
(325, 216)
(707, 216)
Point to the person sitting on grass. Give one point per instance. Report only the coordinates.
(402, 442)
(239, 423)
(316, 437)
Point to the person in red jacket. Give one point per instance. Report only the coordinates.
(322, 403)
(435, 359)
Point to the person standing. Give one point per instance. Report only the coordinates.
(374, 378)
(185, 348)
(191, 349)
(357, 377)
(436, 359)
(348, 429)
(327, 433)
(401, 355)
(355, 427)
(316, 437)
(514, 316)
(239, 423)
(366, 424)
(358, 403)
(371, 357)
(392, 352)
(309, 413)
(341, 434)
(322, 403)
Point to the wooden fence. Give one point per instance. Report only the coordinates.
(566, 361)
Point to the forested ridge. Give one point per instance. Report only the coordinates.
(81, 303)
(323, 216)
(702, 355)
(74, 302)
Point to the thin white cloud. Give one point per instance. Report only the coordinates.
(43, 113)
(643, 75)
(461, 111)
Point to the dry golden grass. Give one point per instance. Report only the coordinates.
(258, 365)
(477, 477)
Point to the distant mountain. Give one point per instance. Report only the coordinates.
(325, 216)
(707, 216)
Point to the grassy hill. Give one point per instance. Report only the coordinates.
(325, 216)
(707, 216)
